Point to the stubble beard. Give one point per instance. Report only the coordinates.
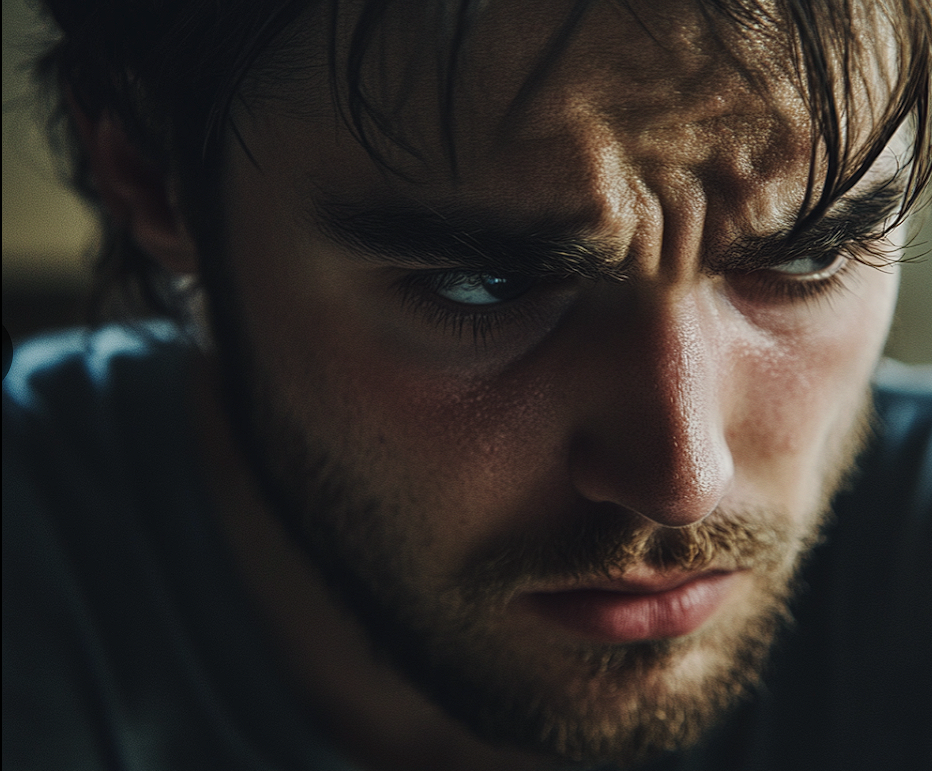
(583, 702)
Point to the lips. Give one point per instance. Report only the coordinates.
(636, 607)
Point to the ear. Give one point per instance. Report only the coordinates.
(138, 194)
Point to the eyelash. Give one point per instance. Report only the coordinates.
(777, 288)
(419, 294)
(785, 289)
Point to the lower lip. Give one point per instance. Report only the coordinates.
(624, 617)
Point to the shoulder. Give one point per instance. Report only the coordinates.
(903, 394)
(898, 468)
(883, 530)
(128, 639)
(74, 406)
(865, 619)
(70, 397)
(55, 371)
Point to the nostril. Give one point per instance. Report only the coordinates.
(681, 511)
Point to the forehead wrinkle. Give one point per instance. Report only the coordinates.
(756, 179)
(679, 195)
(702, 116)
(720, 163)
(667, 61)
(612, 185)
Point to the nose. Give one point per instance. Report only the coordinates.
(652, 436)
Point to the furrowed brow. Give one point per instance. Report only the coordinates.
(419, 237)
(855, 219)
(412, 236)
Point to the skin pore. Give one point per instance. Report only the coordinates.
(452, 440)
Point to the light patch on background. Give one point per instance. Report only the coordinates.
(47, 231)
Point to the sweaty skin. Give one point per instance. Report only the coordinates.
(426, 440)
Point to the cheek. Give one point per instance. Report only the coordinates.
(476, 446)
(801, 391)
(422, 434)
(471, 445)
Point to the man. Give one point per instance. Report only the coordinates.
(521, 352)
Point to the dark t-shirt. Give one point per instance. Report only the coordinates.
(128, 642)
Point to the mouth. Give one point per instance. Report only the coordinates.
(637, 607)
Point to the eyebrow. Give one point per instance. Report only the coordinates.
(855, 218)
(414, 236)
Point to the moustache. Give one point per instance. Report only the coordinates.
(607, 542)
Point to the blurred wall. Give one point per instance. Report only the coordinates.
(47, 234)
(46, 229)
(911, 336)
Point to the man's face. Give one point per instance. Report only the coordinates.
(558, 429)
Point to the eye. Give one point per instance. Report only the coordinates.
(821, 266)
(468, 288)
(800, 279)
